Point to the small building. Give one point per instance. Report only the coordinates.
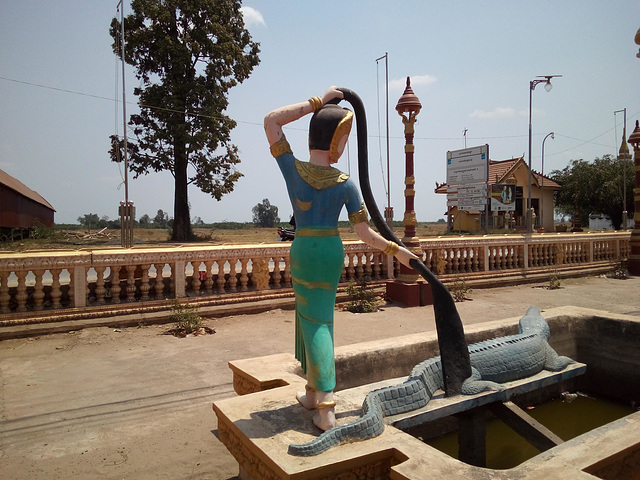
(20, 207)
(513, 173)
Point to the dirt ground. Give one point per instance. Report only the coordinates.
(136, 404)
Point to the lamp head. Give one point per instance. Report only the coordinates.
(547, 84)
(409, 102)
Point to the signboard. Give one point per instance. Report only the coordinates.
(503, 197)
(469, 165)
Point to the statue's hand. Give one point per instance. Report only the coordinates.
(331, 93)
(405, 256)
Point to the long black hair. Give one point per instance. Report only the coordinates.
(454, 351)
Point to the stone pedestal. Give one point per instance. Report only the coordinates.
(414, 294)
(258, 428)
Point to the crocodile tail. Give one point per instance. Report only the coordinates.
(368, 426)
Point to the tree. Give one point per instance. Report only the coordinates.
(161, 220)
(265, 214)
(187, 55)
(595, 187)
(89, 220)
(145, 221)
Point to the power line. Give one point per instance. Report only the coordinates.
(153, 107)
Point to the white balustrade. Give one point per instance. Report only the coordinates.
(63, 280)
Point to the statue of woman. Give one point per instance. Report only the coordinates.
(318, 192)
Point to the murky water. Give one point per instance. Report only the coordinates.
(506, 449)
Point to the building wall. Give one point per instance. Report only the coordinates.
(17, 211)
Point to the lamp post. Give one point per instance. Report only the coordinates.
(552, 135)
(406, 289)
(634, 255)
(532, 86)
(408, 108)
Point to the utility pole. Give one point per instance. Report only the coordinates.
(126, 210)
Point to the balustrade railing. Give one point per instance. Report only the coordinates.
(41, 281)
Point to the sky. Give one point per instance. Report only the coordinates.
(470, 63)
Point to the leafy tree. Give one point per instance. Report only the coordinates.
(595, 187)
(161, 220)
(265, 214)
(187, 55)
(145, 221)
(89, 220)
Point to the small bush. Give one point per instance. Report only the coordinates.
(187, 321)
(554, 281)
(620, 271)
(459, 290)
(361, 298)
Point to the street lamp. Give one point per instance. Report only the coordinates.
(532, 86)
(552, 135)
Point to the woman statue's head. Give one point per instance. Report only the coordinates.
(329, 130)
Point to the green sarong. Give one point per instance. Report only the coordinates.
(317, 259)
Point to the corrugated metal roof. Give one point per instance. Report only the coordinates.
(16, 185)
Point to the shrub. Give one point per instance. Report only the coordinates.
(554, 281)
(459, 290)
(361, 298)
(620, 271)
(186, 318)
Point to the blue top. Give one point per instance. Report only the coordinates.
(317, 193)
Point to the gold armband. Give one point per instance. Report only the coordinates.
(280, 147)
(391, 249)
(359, 216)
(316, 103)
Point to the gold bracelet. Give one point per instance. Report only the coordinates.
(391, 249)
(316, 103)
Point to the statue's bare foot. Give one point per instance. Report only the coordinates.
(308, 399)
(325, 419)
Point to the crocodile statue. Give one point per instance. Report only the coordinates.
(493, 362)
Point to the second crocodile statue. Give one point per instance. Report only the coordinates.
(493, 362)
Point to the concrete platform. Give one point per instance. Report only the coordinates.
(258, 427)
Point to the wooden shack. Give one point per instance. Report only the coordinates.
(20, 207)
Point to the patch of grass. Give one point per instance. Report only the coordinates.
(459, 290)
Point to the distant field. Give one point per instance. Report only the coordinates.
(70, 237)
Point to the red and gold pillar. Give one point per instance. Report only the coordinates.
(407, 288)
(634, 256)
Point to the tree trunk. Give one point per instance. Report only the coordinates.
(181, 216)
